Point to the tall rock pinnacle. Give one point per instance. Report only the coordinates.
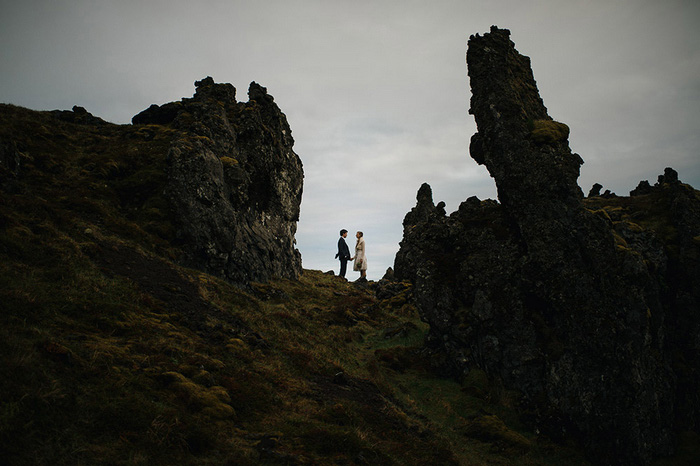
(542, 292)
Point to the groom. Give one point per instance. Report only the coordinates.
(343, 253)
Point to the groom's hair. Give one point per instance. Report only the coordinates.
(342, 232)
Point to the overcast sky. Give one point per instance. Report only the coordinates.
(376, 92)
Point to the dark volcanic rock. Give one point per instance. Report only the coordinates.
(595, 190)
(577, 310)
(158, 115)
(234, 182)
(79, 115)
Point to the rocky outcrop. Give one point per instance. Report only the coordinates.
(234, 182)
(79, 115)
(577, 310)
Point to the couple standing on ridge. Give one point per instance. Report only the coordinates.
(344, 255)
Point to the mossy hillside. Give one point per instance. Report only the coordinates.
(112, 354)
(117, 378)
(117, 373)
(87, 177)
(647, 212)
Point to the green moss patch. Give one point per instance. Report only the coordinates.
(548, 131)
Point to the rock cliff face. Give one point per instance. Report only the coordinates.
(588, 309)
(234, 182)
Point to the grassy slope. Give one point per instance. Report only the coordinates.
(112, 354)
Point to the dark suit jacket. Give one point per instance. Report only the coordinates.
(343, 251)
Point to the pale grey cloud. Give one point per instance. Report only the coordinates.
(376, 92)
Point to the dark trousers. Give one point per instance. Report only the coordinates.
(343, 267)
